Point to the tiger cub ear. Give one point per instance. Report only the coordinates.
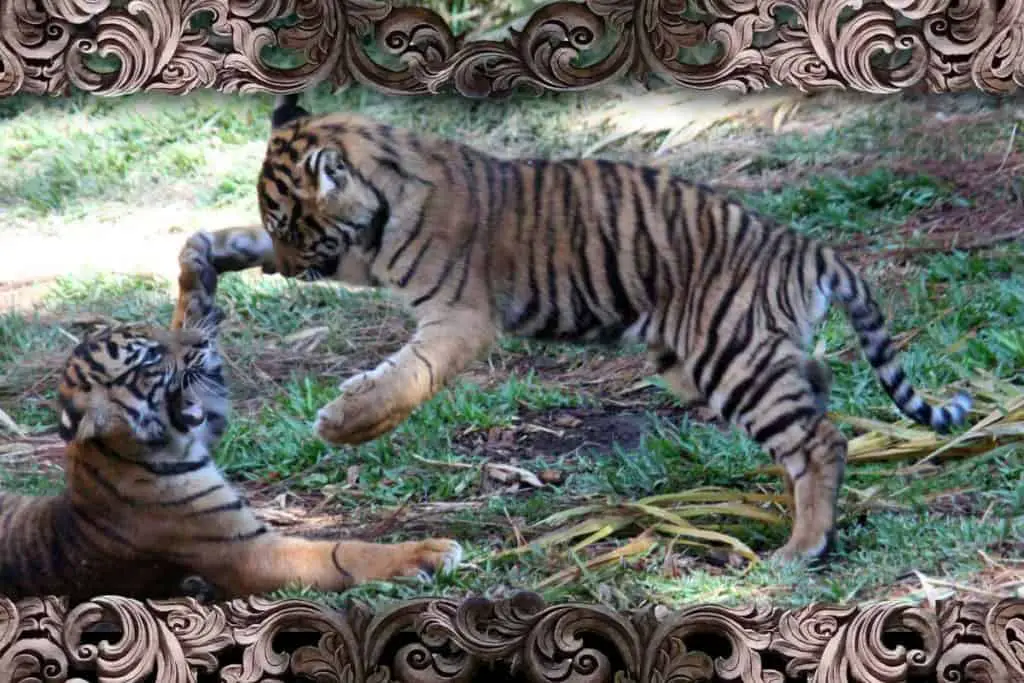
(90, 420)
(331, 173)
(286, 110)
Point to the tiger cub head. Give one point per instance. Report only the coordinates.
(316, 198)
(139, 389)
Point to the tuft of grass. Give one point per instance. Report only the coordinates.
(835, 205)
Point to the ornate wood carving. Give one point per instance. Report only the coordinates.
(114, 47)
(444, 641)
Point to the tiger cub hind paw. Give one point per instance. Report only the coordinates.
(436, 555)
(811, 552)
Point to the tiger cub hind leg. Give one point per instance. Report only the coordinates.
(782, 408)
(276, 561)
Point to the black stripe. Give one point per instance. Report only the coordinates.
(159, 469)
(782, 423)
(63, 538)
(692, 283)
(764, 384)
(337, 565)
(496, 209)
(612, 246)
(102, 529)
(711, 343)
(739, 341)
(679, 241)
(777, 245)
(404, 280)
(236, 538)
(132, 412)
(192, 497)
(643, 250)
(883, 354)
(580, 232)
(493, 196)
(395, 167)
(532, 306)
(81, 379)
(802, 246)
(236, 504)
(372, 236)
(425, 361)
(107, 485)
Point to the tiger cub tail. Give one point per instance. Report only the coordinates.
(837, 280)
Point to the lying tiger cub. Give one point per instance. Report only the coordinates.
(145, 507)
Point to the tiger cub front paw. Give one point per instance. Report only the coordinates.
(426, 558)
(363, 412)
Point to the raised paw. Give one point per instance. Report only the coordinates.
(363, 412)
(197, 285)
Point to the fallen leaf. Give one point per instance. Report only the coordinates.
(569, 421)
(509, 474)
(352, 476)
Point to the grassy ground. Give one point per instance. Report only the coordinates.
(97, 195)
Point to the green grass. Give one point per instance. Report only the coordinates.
(865, 204)
(204, 151)
(66, 156)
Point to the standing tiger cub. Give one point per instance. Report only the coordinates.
(145, 507)
(574, 250)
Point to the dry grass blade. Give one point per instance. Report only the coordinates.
(713, 494)
(692, 517)
(712, 497)
(638, 546)
(685, 115)
(693, 532)
(9, 423)
(307, 340)
(499, 472)
(589, 527)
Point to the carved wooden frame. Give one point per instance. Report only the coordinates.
(521, 638)
(116, 47)
(50, 46)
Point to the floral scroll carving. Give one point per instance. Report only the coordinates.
(115, 47)
(521, 638)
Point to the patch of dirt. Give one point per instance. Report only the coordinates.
(315, 516)
(992, 182)
(934, 126)
(1001, 578)
(555, 435)
(959, 504)
(993, 185)
(24, 295)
